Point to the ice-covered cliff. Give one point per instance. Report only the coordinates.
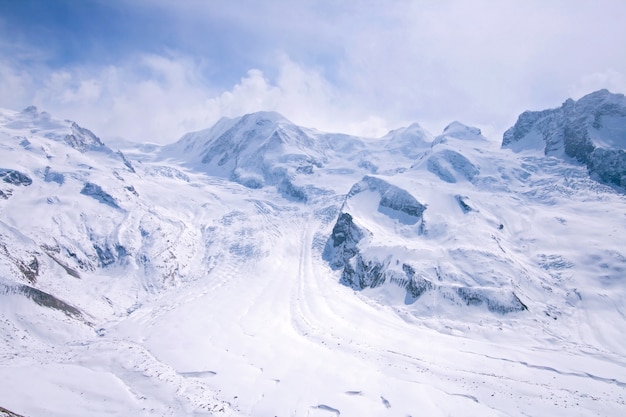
(591, 131)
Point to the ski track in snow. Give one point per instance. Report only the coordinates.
(296, 343)
(301, 345)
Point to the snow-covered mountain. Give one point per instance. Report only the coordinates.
(261, 268)
(591, 130)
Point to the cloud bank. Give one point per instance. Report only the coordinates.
(153, 70)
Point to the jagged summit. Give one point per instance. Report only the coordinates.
(37, 121)
(31, 110)
(33, 118)
(591, 130)
(599, 119)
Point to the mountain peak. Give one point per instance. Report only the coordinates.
(591, 130)
(408, 140)
(600, 98)
(32, 110)
(458, 130)
(461, 131)
(263, 118)
(35, 117)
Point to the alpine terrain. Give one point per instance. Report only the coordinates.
(259, 268)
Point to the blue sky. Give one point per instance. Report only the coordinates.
(150, 70)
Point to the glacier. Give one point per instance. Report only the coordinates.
(262, 268)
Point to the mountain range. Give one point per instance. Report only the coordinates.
(262, 268)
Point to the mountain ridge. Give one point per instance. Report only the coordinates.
(590, 130)
(214, 275)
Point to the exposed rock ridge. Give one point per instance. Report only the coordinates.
(591, 130)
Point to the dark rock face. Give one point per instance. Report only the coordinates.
(42, 298)
(30, 269)
(465, 207)
(83, 139)
(415, 286)
(108, 255)
(591, 130)
(52, 176)
(394, 201)
(609, 165)
(364, 264)
(291, 191)
(126, 162)
(478, 296)
(6, 413)
(26, 263)
(342, 244)
(360, 273)
(342, 248)
(95, 191)
(14, 177)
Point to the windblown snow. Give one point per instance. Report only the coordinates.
(259, 268)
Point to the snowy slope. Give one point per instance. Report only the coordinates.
(260, 268)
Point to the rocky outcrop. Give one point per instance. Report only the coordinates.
(342, 244)
(42, 298)
(393, 201)
(13, 177)
(95, 191)
(7, 413)
(368, 261)
(608, 166)
(23, 262)
(82, 139)
(342, 249)
(591, 131)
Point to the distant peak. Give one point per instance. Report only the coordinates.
(414, 129)
(410, 141)
(265, 117)
(458, 130)
(591, 130)
(461, 131)
(415, 126)
(600, 93)
(598, 98)
(31, 110)
(458, 127)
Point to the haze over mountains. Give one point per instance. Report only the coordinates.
(261, 268)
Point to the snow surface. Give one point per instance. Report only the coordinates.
(204, 294)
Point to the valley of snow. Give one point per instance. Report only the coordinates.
(258, 268)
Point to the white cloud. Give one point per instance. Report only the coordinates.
(159, 98)
(609, 79)
(146, 99)
(359, 67)
(16, 85)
